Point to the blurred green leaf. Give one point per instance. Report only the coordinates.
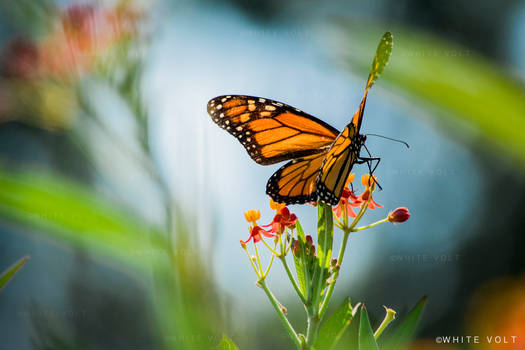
(6, 276)
(366, 335)
(30, 17)
(465, 91)
(226, 344)
(74, 214)
(334, 327)
(403, 334)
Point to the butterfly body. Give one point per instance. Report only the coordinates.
(320, 157)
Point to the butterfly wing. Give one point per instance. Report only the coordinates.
(345, 150)
(295, 182)
(271, 131)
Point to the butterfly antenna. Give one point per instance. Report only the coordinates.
(389, 138)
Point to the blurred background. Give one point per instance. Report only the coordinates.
(130, 201)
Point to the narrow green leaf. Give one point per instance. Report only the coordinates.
(334, 327)
(300, 231)
(6, 276)
(366, 335)
(301, 263)
(325, 234)
(384, 49)
(226, 344)
(300, 267)
(74, 214)
(353, 329)
(403, 334)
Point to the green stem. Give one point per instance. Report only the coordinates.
(270, 248)
(292, 279)
(278, 308)
(258, 258)
(389, 317)
(331, 287)
(371, 225)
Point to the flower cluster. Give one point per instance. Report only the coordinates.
(349, 200)
(39, 77)
(285, 220)
(316, 270)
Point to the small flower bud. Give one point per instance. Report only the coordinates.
(333, 262)
(284, 310)
(243, 245)
(312, 252)
(399, 215)
(254, 259)
(309, 240)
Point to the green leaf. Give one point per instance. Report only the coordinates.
(226, 344)
(76, 215)
(300, 231)
(301, 263)
(334, 327)
(403, 334)
(300, 267)
(468, 94)
(6, 276)
(366, 335)
(353, 329)
(384, 49)
(325, 235)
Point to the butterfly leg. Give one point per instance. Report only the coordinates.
(368, 161)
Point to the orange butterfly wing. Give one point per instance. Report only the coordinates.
(296, 181)
(271, 131)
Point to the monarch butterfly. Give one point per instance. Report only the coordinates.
(321, 156)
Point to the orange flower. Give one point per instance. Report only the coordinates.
(255, 233)
(276, 206)
(349, 199)
(345, 205)
(282, 219)
(255, 230)
(370, 183)
(252, 216)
